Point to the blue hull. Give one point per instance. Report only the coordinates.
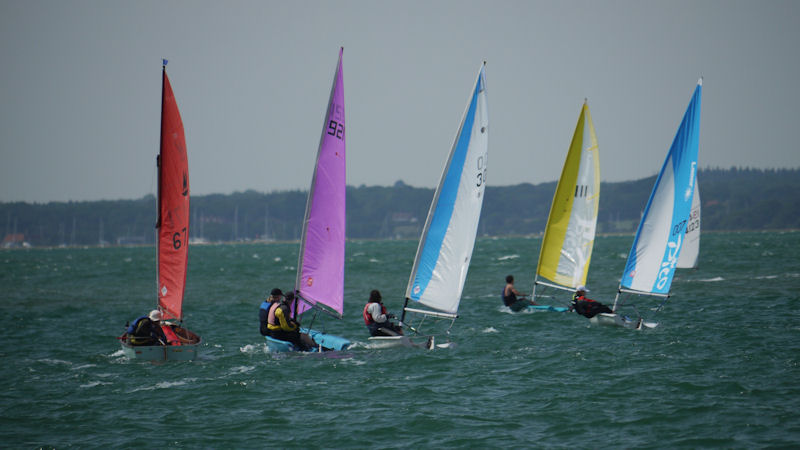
(548, 308)
(327, 341)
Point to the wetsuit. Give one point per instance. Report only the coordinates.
(588, 307)
(512, 301)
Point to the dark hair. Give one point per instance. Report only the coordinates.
(510, 279)
(290, 296)
(375, 296)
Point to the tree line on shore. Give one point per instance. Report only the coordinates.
(732, 199)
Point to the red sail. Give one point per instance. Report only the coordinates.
(173, 207)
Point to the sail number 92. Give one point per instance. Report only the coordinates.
(336, 129)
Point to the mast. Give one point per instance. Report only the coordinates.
(158, 179)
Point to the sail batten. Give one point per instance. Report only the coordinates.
(656, 248)
(320, 269)
(569, 234)
(445, 248)
(173, 207)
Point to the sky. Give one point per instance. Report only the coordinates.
(80, 88)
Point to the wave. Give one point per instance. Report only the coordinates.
(711, 280)
(253, 349)
(505, 257)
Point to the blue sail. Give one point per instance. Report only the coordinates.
(445, 248)
(654, 254)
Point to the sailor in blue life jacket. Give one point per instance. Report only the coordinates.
(263, 311)
(586, 306)
(146, 330)
(377, 319)
(282, 326)
(514, 299)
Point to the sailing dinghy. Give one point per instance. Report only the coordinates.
(172, 239)
(445, 247)
(569, 234)
(657, 246)
(319, 285)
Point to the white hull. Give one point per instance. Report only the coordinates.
(428, 342)
(608, 319)
(187, 351)
(161, 352)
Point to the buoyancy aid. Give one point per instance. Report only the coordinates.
(132, 327)
(368, 320)
(278, 318)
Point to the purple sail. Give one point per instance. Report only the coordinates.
(320, 273)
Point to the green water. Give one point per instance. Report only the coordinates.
(721, 370)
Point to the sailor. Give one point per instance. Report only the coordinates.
(514, 299)
(263, 311)
(146, 330)
(377, 319)
(282, 326)
(586, 306)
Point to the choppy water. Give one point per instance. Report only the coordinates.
(720, 371)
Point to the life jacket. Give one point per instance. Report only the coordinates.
(271, 319)
(274, 322)
(368, 320)
(132, 327)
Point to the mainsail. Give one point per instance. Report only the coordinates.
(691, 242)
(569, 234)
(657, 245)
(320, 268)
(445, 248)
(173, 206)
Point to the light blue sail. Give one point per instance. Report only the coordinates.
(654, 254)
(445, 248)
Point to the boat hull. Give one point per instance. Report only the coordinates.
(547, 308)
(185, 351)
(328, 342)
(618, 320)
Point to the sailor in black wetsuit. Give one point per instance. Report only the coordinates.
(586, 306)
(510, 296)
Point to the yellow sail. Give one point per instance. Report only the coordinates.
(569, 235)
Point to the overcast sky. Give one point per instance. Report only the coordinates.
(80, 88)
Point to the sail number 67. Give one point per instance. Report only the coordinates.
(176, 239)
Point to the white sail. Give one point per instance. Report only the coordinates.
(445, 248)
(691, 240)
(657, 245)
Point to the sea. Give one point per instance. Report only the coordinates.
(720, 370)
